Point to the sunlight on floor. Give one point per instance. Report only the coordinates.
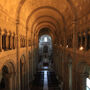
(45, 80)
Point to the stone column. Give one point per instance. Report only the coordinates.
(75, 44)
(75, 38)
(11, 81)
(27, 56)
(11, 41)
(20, 41)
(70, 75)
(17, 42)
(0, 40)
(15, 38)
(78, 37)
(4, 40)
(85, 41)
(7, 41)
(1, 75)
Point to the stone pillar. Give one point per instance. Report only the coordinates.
(27, 56)
(11, 81)
(11, 41)
(20, 41)
(1, 75)
(85, 41)
(75, 46)
(0, 40)
(17, 42)
(70, 74)
(4, 40)
(7, 41)
(14, 42)
(78, 37)
(75, 38)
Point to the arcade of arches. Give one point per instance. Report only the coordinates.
(35, 34)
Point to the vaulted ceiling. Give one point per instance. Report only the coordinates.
(57, 15)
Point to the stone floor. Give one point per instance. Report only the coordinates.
(45, 79)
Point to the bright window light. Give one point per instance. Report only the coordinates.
(67, 46)
(88, 82)
(81, 48)
(45, 39)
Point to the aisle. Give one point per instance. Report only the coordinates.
(45, 86)
(45, 79)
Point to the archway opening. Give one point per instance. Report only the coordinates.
(4, 80)
(8, 80)
(45, 50)
(22, 72)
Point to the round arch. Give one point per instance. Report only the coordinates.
(22, 72)
(83, 72)
(8, 76)
(45, 16)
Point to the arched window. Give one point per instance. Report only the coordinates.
(3, 83)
